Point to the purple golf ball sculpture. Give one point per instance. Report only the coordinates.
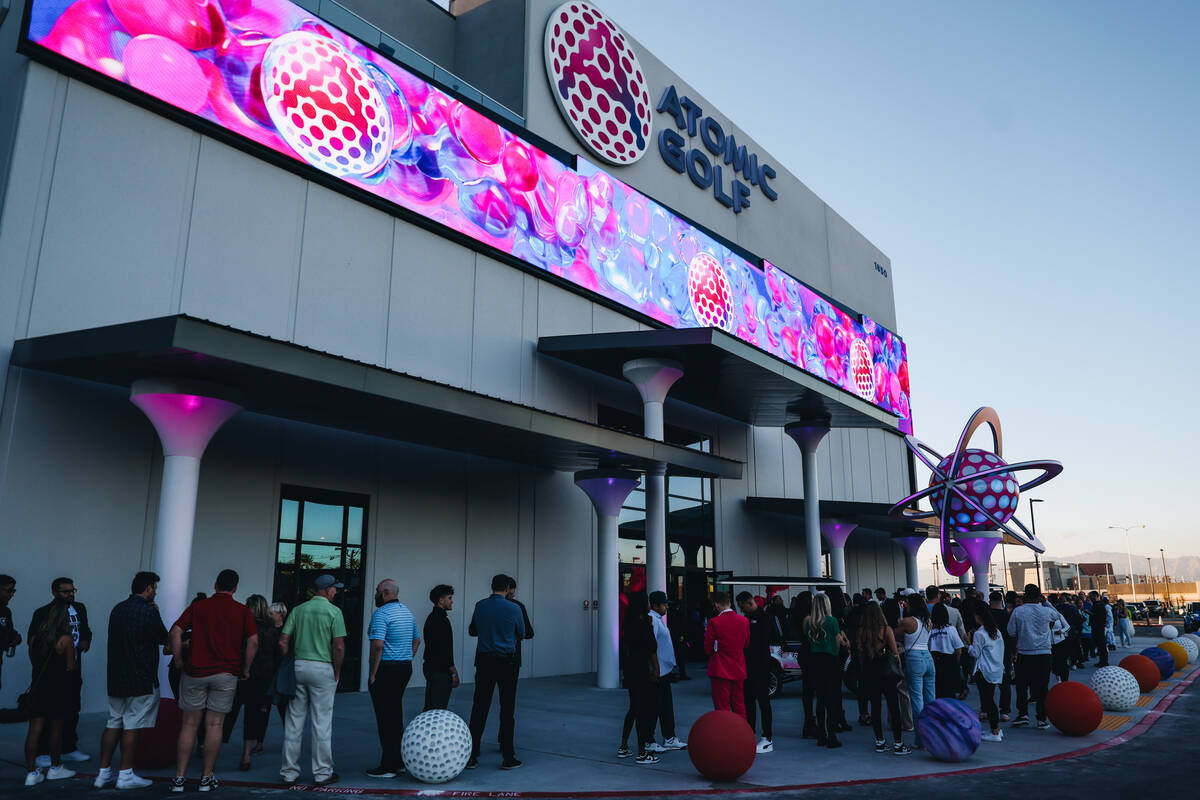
(998, 493)
(949, 730)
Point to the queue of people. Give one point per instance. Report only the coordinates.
(229, 659)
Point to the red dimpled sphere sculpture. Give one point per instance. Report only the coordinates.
(326, 106)
(1074, 708)
(709, 293)
(1143, 669)
(721, 746)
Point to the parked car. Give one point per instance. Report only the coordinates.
(1154, 608)
(1137, 610)
(1191, 618)
(785, 667)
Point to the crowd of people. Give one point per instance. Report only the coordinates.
(900, 652)
(229, 658)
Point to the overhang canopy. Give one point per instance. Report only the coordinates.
(873, 516)
(721, 373)
(286, 380)
(771, 580)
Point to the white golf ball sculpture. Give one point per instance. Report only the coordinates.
(436, 746)
(1170, 632)
(1116, 687)
(1187, 644)
(1193, 638)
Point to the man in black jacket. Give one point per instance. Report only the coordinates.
(758, 668)
(511, 594)
(9, 637)
(63, 590)
(441, 677)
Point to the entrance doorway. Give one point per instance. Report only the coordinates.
(325, 532)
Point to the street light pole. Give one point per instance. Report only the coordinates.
(1150, 571)
(1166, 577)
(1037, 563)
(1129, 554)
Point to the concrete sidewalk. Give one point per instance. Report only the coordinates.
(568, 732)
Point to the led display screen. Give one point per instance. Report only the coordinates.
(268, 71)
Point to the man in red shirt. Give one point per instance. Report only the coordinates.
(725, 641)
(224, 641)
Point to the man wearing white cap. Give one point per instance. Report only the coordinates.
(316, 633)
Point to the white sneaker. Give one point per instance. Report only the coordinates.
(104, 778)
(42, 762)
(59, 773)
(132, 781)
(655, 747)
(76, 755)
(765, 746)
(993, 737)
(674, 744)
(33, 778)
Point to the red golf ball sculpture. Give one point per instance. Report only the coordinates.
(1143, 669)
(721, 746)
(1074, 708)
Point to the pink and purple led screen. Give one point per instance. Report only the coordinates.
(270, 72)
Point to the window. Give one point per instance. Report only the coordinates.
(324, 532)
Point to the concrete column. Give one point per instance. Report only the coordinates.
(654, 378)
(979, 547)
(836, 532)
(185, 419)
(607, 489)
(808, 435)
(910, 545)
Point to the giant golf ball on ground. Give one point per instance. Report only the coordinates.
(721, 746)
(325, 105)
(1170, 632)
(1116, 687)
(436, 746)
(1162, 659)
(949, 730)
(1187, 644)
(1143, 669)
(1176, 652)
(1074, 708)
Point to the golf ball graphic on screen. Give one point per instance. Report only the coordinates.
(862, 370)
(708, 291)
(598, 82)
(325, 105)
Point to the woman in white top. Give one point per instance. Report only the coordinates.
(946, 646)
(918, 664)
(987, 648)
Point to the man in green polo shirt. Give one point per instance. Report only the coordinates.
(316, 632)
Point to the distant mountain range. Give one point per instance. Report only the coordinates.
(1182, 568)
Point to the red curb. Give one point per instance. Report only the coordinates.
(1144, 724)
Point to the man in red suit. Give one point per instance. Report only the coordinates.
(725, 642)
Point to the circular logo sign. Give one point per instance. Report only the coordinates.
(598, 83)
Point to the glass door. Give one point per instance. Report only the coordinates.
(325, 532)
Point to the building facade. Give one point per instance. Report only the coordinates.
(410, 397)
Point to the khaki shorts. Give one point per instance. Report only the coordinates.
(214, 692)
(131, 713)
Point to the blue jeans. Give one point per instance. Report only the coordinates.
(920, 674)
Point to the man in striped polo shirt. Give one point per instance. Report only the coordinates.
(394, 642)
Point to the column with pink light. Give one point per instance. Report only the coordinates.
(836, 532)
(654, 378)
(911, 544)
(607, 489)
(186, 416)
(979, 546)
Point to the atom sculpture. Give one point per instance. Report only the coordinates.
(972, 490)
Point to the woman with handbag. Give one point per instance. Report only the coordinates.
(879, 665)
(54, 693)
(987, 646)
(255, 692)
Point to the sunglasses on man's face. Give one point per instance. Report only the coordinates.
(66, 591)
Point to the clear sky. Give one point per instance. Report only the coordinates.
(1032, 171)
